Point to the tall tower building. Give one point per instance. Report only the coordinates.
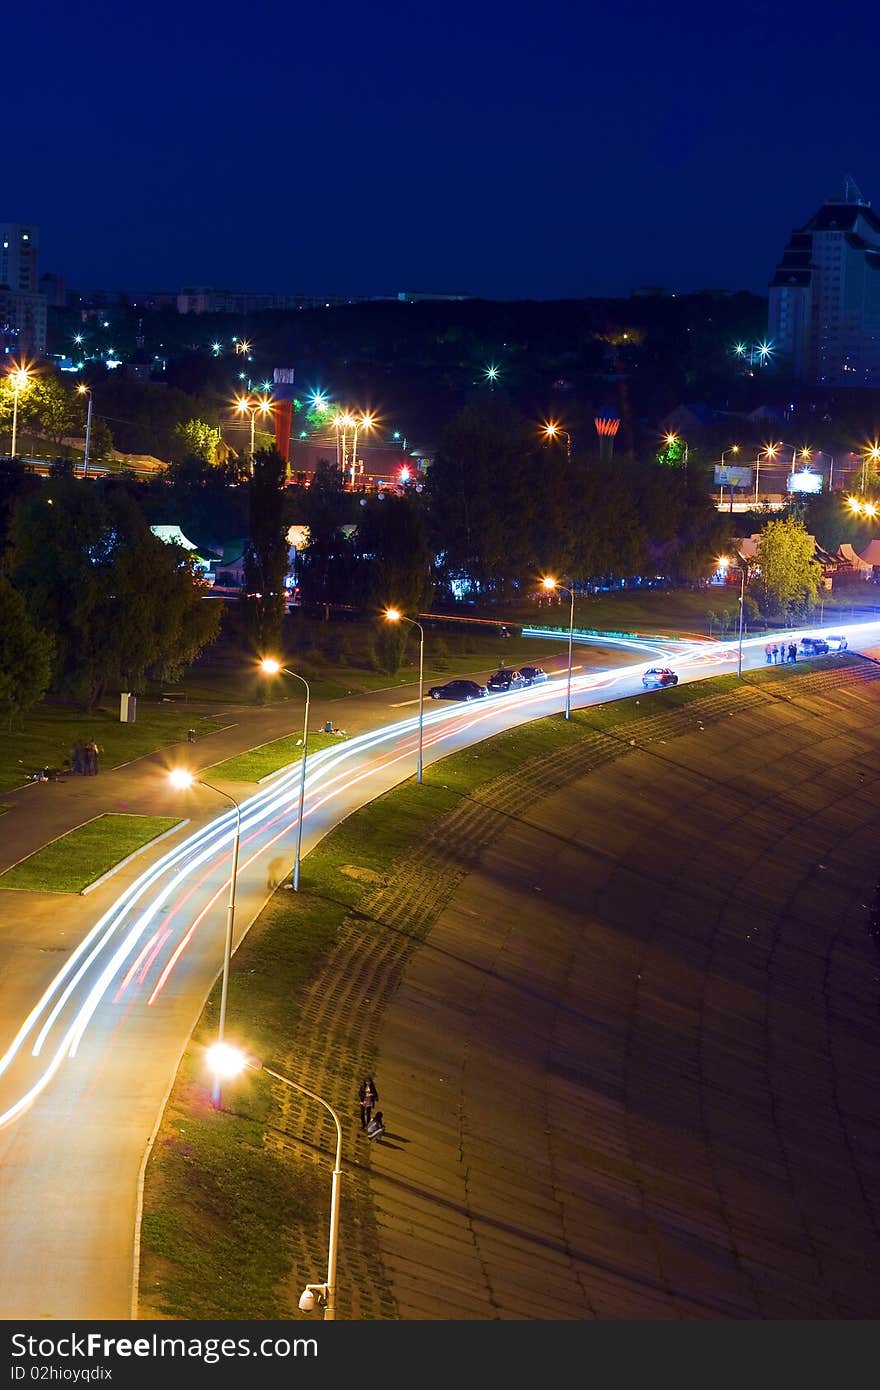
(22, 306)
(824, 311)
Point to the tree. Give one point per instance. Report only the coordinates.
(326, 562)
(25, 655)
(789, 574)
(198, 440)
(121, 605)
(266, 557)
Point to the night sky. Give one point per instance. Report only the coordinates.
(498, 149)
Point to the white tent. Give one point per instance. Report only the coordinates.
(846, 553)
(871, 553)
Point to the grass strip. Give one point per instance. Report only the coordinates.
(73, 861)
(257, 763)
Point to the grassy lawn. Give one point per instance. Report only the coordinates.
(73, 861)
(260, 762)
(48, 732)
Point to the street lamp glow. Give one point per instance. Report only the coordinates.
(272, 667)
(551, 585)
(20, 378)
(870, 509)
(491, 372)
(854, 505)
(225, 1061)
(181, 778)
(394, 615)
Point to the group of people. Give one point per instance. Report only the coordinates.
(371, 1123)
(780, 652)
(84, 758)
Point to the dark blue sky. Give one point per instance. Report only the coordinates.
(511, 151)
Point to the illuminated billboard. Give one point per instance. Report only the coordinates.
(729, 475)
(804, 481)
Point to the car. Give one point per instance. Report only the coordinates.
(505, 680)
(533, 675)
(836, 642)
(457, 690)
(813, 646)
(658, 676)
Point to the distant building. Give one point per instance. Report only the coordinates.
(201, 299)
(416, 296)
(22, 306)
(824, 311)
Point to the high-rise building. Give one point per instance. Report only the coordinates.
(824, 312)
(22, 306)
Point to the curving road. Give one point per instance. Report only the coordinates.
(89, 1055)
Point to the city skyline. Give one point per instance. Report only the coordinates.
(587, 154)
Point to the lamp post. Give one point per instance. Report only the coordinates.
(228, 1061)
(272, 668)
(364, 423)
(394, 615)
(20, 378)
(769, 451)
(870, 454)
(86, 391)
(245, 406)
(181, 778)
(551, 430)
(551, 586)
(724, 563)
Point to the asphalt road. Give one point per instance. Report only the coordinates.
(90, 1050)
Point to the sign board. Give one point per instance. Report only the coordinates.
(804, 481)
(732, 475)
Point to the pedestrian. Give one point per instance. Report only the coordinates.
(768, 653)
(775, 654)
(78, 758)
(275, 872)
(376, 1127)
(792, 651)
(190, 735)
(368, 1097)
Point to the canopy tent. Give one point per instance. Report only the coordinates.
(846, 553)
(871, 553)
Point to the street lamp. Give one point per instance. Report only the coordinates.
(394, 615)
(20, 378)
(551, 430)
(228, 1061)
(724, 563)
(733, 449)
(86, 391)
(245, 406)
(677, 439)
(365, 422)
(181, 778)
(769, 451)
(551, 586)
(870, 454)
(272, 668)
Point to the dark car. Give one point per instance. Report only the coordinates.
(533, 675)
(506, 679)
(813, 646)
(457, 690)
(658, 676)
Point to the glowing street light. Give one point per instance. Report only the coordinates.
(365, 422)
(491, 373)
(870, 454)
(551, 586)
(552, 430)
(724, 563)
(271, 667)
(86, 391)
(181, 778)
(769, 451)
(245, 406)
(227, 1062)
(394, 615)
(21, 380)
(677, 439)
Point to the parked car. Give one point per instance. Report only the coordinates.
(836, 642)
(457, 690)
(657, 676)
(812, 646)
(533, 675)
(508, 678)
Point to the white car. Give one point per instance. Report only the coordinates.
(836, 642)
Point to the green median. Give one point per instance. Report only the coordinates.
(77, 859)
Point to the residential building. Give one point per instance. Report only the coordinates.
(22, 306)
(824, 309)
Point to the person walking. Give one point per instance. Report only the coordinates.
(775, 650)
(768, 653)
(368, 1097)
(792, 651)
(376, 1127)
